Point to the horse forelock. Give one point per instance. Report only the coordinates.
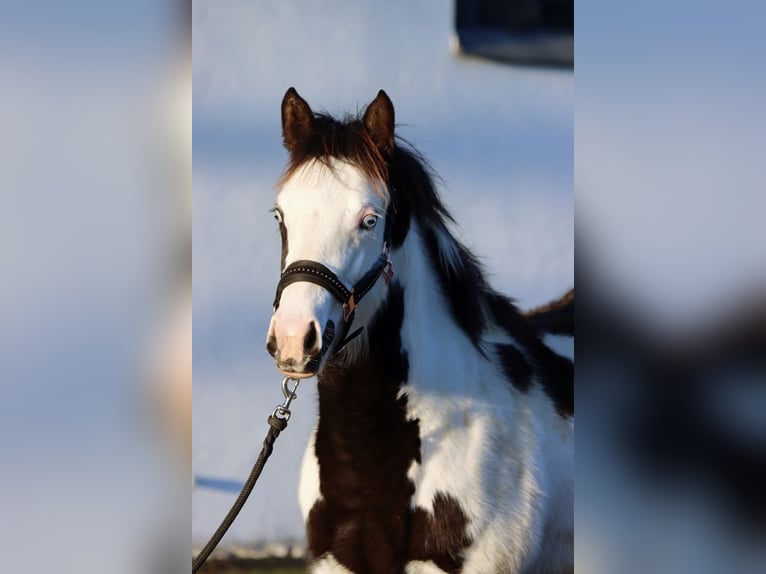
(346, 140)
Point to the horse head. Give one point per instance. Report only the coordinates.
(333, 211)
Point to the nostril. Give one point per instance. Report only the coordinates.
(310, 343)
(271, 345)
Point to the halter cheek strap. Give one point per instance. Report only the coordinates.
(315, 272)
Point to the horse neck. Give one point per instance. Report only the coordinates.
(437, 344)
(414, 337)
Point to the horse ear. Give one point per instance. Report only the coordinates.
(297, 119)
(379, 122)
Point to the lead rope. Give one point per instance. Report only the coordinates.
(277, 423)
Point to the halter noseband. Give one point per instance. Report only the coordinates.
(315, 272)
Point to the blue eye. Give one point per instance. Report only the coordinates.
(369, 221)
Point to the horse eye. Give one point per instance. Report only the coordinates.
(278, 216)
(369, 221)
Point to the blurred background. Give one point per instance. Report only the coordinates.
(670, 383)
(95, 248)
(500, 136)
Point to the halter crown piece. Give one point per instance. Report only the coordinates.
(315, 272)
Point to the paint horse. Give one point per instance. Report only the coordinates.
(445, 431)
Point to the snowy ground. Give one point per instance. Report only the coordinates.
(501, 137)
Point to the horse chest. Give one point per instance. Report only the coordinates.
(363, 517)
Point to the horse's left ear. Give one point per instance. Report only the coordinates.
(379, 122)
(297, 119)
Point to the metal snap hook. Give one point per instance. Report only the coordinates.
(283, 411)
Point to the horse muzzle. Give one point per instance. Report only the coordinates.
(298, 349)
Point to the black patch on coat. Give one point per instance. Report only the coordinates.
(555, 373)
(557, 378)
(515, 366)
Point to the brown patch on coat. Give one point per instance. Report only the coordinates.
(440, 535)
(364, 446)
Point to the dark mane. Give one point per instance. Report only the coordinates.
(556, 316)
(408, 180)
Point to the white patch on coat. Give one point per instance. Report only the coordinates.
(308, 487)
(327, 564)
(422, 567)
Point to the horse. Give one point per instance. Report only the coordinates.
(444, 441)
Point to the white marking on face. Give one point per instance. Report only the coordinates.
(333, 215)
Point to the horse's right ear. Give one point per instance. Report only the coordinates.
(297, 119)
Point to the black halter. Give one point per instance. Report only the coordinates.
(315, 272)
